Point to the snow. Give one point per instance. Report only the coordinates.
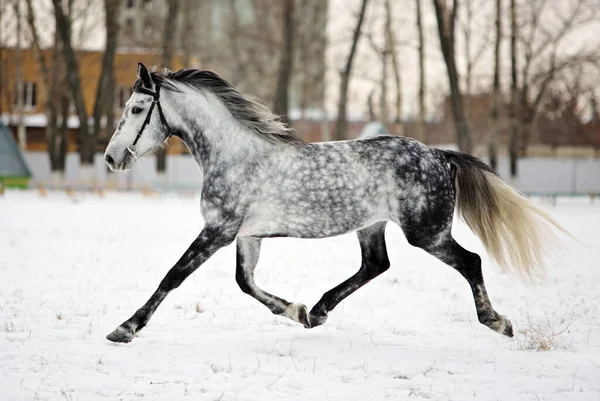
(73, 268)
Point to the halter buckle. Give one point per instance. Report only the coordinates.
(131, 149)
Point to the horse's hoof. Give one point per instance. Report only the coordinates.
(316, 320)
(502, 326)
(303, 316)
(298, 313)
(120, 335)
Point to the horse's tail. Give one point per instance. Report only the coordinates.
(514, 232)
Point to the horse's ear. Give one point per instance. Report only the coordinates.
(144, 75)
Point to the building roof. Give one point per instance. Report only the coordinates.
(12, 163)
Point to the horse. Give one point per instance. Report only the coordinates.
(259, 181)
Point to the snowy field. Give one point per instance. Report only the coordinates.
(72, 269)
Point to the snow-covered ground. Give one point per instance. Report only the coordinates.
(72, 269)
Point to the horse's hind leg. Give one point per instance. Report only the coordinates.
(468, 264)
(374, 262)
(248, 251)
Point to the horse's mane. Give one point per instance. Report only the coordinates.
(251, 112)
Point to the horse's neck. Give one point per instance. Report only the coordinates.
(211, 133)
(214, 142)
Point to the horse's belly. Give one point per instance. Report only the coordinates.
(317, 221)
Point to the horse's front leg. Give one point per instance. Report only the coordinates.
(248, 250)
(206, 244)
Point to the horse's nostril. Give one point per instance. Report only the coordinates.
(109, 160)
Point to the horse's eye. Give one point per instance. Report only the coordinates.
(136, 110)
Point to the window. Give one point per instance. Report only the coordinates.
(29, 95)
(130, 3)
(148, 4)
(122, 95)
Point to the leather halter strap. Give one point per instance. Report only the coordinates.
(156, 101)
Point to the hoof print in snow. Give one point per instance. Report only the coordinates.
(120, 335)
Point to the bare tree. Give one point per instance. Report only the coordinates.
(104, 103)
(48, 85)
(514, 92)
(2, 11)
(168, 50)
(473, 54)
(391, 45)
(385, 53)
(170, 30)
(341, 131)
(280, 106)
(21, 133)
(109, 99)
(541, 39)
(87, 141)
(309, 45)
(422, 85)
(446, 19)
(497, 100)
(388, 55)
(187, 39)
(60, 142)
(235, 36)
(371, 106)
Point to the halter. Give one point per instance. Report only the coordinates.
(155, 95)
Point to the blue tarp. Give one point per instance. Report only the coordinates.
(12, 162)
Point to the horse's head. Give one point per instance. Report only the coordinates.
(143, 127)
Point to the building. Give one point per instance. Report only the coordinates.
(35, 94)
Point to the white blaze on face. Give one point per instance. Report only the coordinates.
(137, 107)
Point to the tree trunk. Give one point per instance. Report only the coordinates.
(187, 40)
(390, 38)
(87, 141)
(513, 145)
(111, 43)
(281, 104)
(370, 107)
(170, 30)
(1, 75)
(384, 115)
(21, 133)
(446, 21)
(341, 130)
(496, 107)
(63, 133)
(2, 5)
(104, 96)
(168, 50)
(421, 130)
(467, 33)
(239, 71)
(47, 86)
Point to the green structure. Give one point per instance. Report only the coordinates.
(13, 169)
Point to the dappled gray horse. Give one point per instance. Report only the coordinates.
(259, 180)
